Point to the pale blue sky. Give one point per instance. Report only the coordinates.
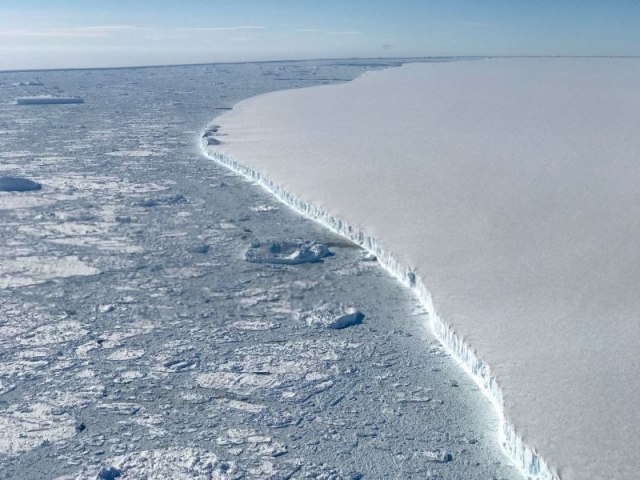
(97, 33)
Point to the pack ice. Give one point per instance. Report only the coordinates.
(506, 191)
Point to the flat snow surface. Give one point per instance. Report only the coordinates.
(511, 186)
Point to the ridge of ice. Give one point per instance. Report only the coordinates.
(523, 456)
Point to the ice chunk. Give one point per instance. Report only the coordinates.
(287, 253)
(200, 249)
(29, 83)
(337, 317)
(110, 473)
(47, 100)
(18, 184)
(440, 456)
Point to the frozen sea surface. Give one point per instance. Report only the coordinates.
(507, 191)
(137, 340)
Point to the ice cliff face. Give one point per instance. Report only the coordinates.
(527, 460)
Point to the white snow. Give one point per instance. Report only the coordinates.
(27, 427)
(178, 463)
(506, 191)
(31, 270)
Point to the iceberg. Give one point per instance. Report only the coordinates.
(287, 253)
(47, 100)
(504, 192)
(18, 184)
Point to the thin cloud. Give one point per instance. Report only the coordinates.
(100, 31)
(222, 29)
(328, 32)
(93, 31)
(106, 29)
(47, 33)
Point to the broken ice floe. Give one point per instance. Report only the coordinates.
(439, 456)
(25, 427)
(287, 253)
(263, 208)
(368, 257)
(335, 317)
(175, 463)
(18, 184)
(29, 83)
(30, 270)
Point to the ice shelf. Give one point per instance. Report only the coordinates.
(505, 192)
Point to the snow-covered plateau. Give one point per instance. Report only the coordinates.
(506, 192)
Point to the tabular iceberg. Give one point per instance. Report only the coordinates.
(506, 192)
(48, 100)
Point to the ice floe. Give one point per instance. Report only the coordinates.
(287, 252)
(335, 317)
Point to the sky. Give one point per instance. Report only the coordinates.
(38, 34)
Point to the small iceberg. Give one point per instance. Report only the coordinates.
(29, 83)
(47, 100)
(18, 184)
(287, 253)
(336, 318)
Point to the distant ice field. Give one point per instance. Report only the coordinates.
(509, 187)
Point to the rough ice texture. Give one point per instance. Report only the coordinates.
(506, 191)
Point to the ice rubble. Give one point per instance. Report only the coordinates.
(525, 188)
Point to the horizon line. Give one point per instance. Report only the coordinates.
(242, 62)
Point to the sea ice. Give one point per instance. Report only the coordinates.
(506, 192)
